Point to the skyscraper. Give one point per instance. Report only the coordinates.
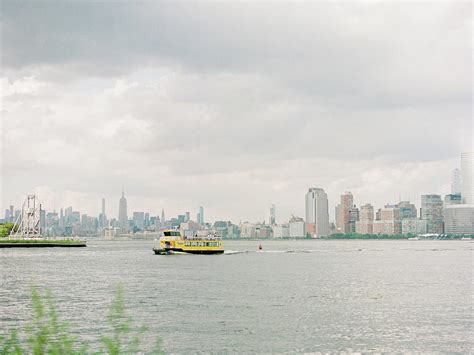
(201, 216)
(343, 213)
(102, 217)
(455, 182)
(163, 219)
(272, 215)
(122, 217)
(103, 206)
(317, 213)
(432, 212)
(365, 224)
(467, 177)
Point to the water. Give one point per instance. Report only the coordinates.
(303, 296)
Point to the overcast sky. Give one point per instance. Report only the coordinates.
(232, 106)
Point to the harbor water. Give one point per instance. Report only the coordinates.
(293, 296)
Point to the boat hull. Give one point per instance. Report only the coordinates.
(178, 250)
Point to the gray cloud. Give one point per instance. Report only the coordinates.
(187, 103)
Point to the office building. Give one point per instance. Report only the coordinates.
(413, 226)
(452, 199)
(365, 224)
(272, 218)
(432, 213)
(407, 210)
(343, 213)
(459, 219)
(297, 228)
(456, 182)
(317, 213)
(467, 177)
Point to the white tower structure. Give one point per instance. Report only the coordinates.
(28, 223)
(467, 177)
(317, 211)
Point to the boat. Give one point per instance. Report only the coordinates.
(414, 238)
(172, 242)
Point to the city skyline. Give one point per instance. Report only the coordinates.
(369, 100)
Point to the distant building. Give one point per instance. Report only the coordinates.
(317, 212)
(407, 210)
(459, 219)
(413, 226)
(271, 220)
(453, 199)
(201, 216)
(353, 218)
(102, 216)
(391, 221)
(163, 219)
(139, 220)
(365, 224)
(467, 177)
(264, 231)
(248, 230)
(122, 216)
(281, 231)
(188, 216)
(343, 213)
(297, 228)
(432, 212)
(456, 182)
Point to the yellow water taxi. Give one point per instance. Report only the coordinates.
(172, 242)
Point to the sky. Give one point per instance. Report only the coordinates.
(232, 105)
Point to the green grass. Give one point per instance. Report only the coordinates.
(45, 333)
(41, 241)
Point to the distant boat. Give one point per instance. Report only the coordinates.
(414, 238)
(466, 238)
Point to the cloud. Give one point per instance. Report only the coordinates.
(232, 106)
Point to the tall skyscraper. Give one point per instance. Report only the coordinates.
(467, 177)
(343, 213)
(163, 218)
(317, 213)
(407, 210)
(432, 212)
(201, 216)
(455, 182)
(122, 217)
(103, 206)
(102, 217)
(365, 224)
(272, 218)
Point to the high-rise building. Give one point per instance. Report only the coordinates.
(365, 223)
(123, 217)
(297, 227)
(343, 213)
(452, 199)
(432, 212)
(456, 182)
(407, 210)
(467, 177)
(317, 213)
(459, 219)
(353, 218)
(272, 215)
(139, 220)
(102, 216)
(201, 216)
(188, 217)
(163, 219)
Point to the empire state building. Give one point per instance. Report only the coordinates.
(122, 217)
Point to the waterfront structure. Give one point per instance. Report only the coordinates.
(432, 212)
(272, 215)
(281, 231)
(459, 219)
(123, 217)
(29, 222)
(453, 199)
(317, 212)
(407, 210)
(297, 227)
(413, 226)
(456, 182)
(343, 215)
(365, 224)
(467, 177)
